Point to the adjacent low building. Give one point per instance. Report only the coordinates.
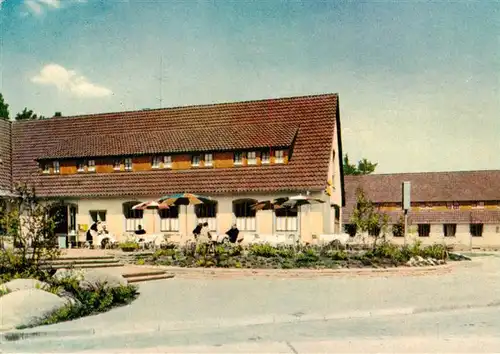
(460, 208)
(236, 153)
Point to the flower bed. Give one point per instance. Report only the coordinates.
(265, 256)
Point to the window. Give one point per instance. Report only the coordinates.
(476, 230)
(265, 157)
(208, 160)
(46, 168)
(244, 214)
(398, 230)
(350, 229)
(91, 166)
(195, 161)
(286, 219)
(169, 219)
(207, 212)
(117, 165)
(98, 215)
(167, 161)
(424, 230)
(156, 162)
(133, 218)
(279, 156)
(238, 158)
(56, 166)
(453, 205)
(252, 158)
(449, 230)
(478, 205)
(80, 166)
(128, 164)
(374, 231)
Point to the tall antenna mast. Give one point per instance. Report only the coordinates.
(160, 79)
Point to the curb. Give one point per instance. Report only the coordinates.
(179, 326)
(305, 273)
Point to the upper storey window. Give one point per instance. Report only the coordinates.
(279, 156)
(195, 161)
(46, 168)
(238, 158)
(56, 167)
(91, 166)
(156, 162)
(252, 158)
(80, 166)
(128, 164)
(167, 161)
(117, 164)
(209, 160)
(265, 157)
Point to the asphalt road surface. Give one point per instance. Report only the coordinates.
(456, 312)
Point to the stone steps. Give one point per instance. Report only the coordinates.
(147, 276)
(86, 262)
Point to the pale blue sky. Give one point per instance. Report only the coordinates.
(419, 82)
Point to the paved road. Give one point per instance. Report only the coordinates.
(222, 312)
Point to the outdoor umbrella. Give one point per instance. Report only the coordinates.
(151, 205)
(299, 200)
(184, 199)
(270, 204)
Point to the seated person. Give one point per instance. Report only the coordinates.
(197, 230)
(205, 233)
(140, 231)
(233, 233)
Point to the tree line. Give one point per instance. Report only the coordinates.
(25, 114)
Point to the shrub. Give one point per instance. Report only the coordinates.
(263, 250)
(129, 246)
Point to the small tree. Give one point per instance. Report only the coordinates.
(367, 219)
(364, 167)
(30, 221)
(4, 109)
(398, 229)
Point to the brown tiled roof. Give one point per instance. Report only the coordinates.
(171, 141)
(5, 156)
(427, 186)
(315, 117)
(459, 186)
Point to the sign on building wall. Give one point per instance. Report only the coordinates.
(406, 195)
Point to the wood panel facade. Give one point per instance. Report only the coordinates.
(178, 162)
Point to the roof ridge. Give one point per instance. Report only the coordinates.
(206, 105)
(422, 173)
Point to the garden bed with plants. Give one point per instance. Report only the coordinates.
(266, 256)
(32, 293)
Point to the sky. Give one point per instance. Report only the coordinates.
(418, 82)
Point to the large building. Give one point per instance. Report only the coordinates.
(236, 153)
(459, 208)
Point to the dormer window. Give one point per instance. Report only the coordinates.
(156, 162)
(238, 158)
(252, 158)
(279, 156)
(265, 157)
(209, 160)
(128, 164)
(56, 167)
(117, 165)
(195, 161)
(91, 166)
(167, 161)
(80, 166)
(46, 168)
